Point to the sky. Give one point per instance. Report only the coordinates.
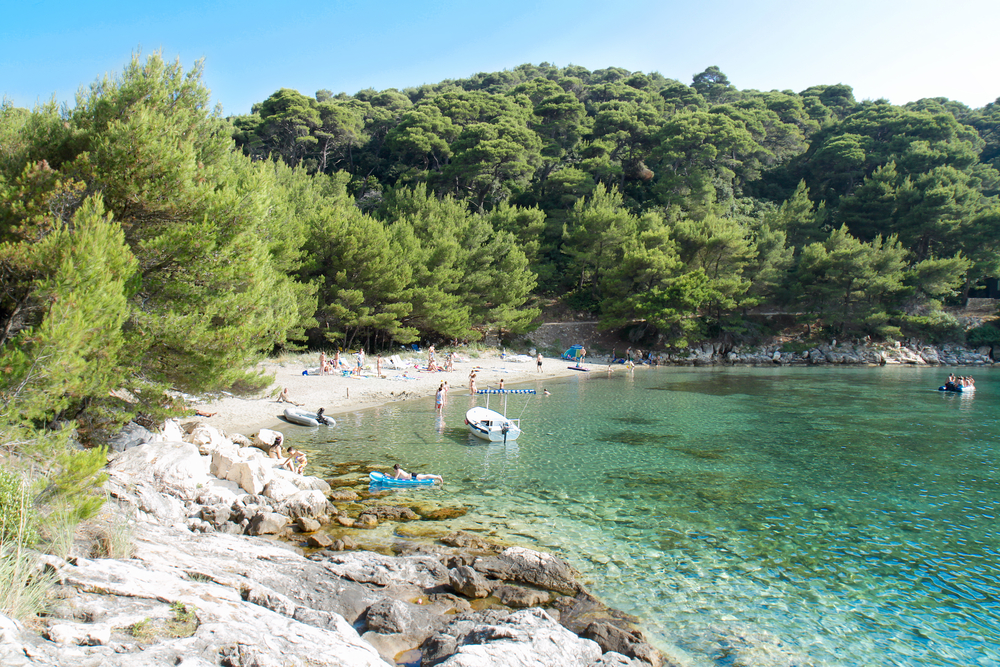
(900, 50)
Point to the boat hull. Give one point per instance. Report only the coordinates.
(492, 426)
(306, 418)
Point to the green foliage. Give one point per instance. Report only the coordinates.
(933, 327)
(23, 588)
(984, 334)
(18, 522)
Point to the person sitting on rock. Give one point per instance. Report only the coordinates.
(402, 474)
(274, 451)
(296, 461)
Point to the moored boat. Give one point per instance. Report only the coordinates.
(307, 418)
(491, 425)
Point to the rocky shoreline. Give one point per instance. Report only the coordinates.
(848, 354)
(201, 585)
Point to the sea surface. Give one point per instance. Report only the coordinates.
(851, 514)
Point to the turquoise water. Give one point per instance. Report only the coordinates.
(851, 513)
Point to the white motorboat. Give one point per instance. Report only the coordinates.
(491, 425)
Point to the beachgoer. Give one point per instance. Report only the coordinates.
(284, 397)
(501, 384)
(472, 382)
(538, 362)
(296, 461)
(402, 474)
(546, 392)
(579, 360)
(628, 354)
(201, 413)
(445, 385)
(451, 361)
(322, 363)
(378, 365)
(439, 397)
(274, 451)
(336, 360)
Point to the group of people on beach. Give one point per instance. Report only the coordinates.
(328, 366)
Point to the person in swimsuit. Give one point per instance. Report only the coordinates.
(402, 474)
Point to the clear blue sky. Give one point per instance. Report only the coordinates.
(901, 50)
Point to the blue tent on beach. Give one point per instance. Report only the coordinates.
(573, 353)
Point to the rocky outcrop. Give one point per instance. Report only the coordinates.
(864, 354)
(201, 588)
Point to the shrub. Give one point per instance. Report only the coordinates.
(18, 523)
(984, 334)
(23, 589)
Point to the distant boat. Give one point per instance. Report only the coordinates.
(957, 388)
(491, 425)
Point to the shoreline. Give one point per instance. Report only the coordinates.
(339, 394)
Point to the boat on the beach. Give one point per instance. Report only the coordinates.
(491, 425)
(307, 418)
(381, 479)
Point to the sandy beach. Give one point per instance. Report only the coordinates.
(339, 392)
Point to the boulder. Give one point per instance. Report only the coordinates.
(530, 567)
(308, 524)
(319, 541)
(469, 541)
(279, 489)
(172, 468)
(468, 582)
(343, 496)
(302, 482)
(266, 523)
(520, 597)
(626, 642)
(498, 639)
(391, 513)
(304, 503)
(219, 491)
(171, 432)
(264, 438)
(207, 438)
(216, 514)
(131, 435)
(252, 474)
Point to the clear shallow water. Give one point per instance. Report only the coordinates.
(850, 512)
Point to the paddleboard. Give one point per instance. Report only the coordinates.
(575, 368)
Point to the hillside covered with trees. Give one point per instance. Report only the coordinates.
(642, 198)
